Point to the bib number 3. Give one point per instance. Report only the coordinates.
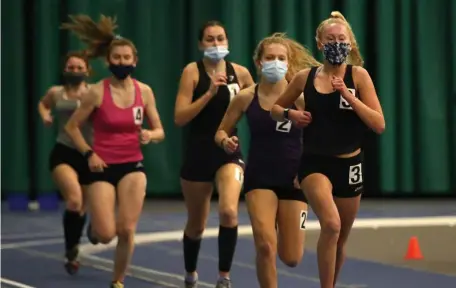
(355, 174)
(138, 115)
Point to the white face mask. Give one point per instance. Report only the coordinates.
(216, 53)
(274, 70)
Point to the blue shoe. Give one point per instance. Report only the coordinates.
(90, 236)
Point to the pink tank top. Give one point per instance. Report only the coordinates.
(116, 130)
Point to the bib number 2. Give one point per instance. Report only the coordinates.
(138, 115)
(284, 126)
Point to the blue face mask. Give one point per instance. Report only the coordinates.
(216, 53)
(274, 70)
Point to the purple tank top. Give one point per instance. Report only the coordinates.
(275, 147)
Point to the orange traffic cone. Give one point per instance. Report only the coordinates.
(413, 251)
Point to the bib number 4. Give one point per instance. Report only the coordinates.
(138, 115)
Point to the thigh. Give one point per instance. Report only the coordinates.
(291, 218)
(101, 198)
(229, 179)
(66, 179)
(262, 207)
(318, 191)
(131, 191)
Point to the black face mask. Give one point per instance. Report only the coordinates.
(121, 71)
(74, 78)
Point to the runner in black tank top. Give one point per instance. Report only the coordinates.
(205, 91)
(343, 103)
(69, 169)
(274, 156)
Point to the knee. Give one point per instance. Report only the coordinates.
(104, 236)
(194, 232)
(74, 202)
(228, 216)
(125, 232)
(266, 249)
(290, 259)
(331, 226)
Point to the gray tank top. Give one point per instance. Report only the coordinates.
(64, 108)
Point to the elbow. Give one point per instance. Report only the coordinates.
(379, 129)
(179, 121)
(69, 128)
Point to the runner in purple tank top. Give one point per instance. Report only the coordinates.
(273, 199)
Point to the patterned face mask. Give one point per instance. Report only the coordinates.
(336, 52)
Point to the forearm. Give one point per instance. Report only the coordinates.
(185, 115)
(373, 119)
(157, 135)
(220, 136)
(76, 136)
(277, 113)
(43, 110)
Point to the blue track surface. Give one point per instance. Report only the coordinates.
(40, 265)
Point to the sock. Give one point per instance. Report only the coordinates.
(227, 240)
(72, 222)
(80, 227)
(191, 251)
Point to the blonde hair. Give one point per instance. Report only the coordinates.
(354, 57)
(299, 57)
(99, 37)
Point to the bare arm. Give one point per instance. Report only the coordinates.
(47, 102)
(300, 102)
(290, 95)
(157, 134)
(246, 78)
(369, 108)
(185, 110)
(232, 115)
(88, 104)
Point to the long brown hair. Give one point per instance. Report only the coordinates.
(99, 37)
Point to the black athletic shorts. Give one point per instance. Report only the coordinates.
(62, 154)
(283, 192)
(115, 172)
(203, 159)
(345, 174)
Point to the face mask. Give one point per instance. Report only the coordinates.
(121, 71)
(336, 52)
(274, 70)
(216, 53)
(74, 78)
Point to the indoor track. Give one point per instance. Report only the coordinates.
(32, 250)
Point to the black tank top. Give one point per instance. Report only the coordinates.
(335, 129)
(206, 123)
(275, 147)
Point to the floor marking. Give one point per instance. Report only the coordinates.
(312, 225)
(26, 244)
(130, 272)
(25, 236)
(14, 283)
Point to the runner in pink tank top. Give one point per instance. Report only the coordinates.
(117, 107)
(116, 129)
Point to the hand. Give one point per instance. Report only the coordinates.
(145, 136)
(47, 119)
(217, 79)
(230, 144)
(339, 85)
(96, 164)
(300, 118)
